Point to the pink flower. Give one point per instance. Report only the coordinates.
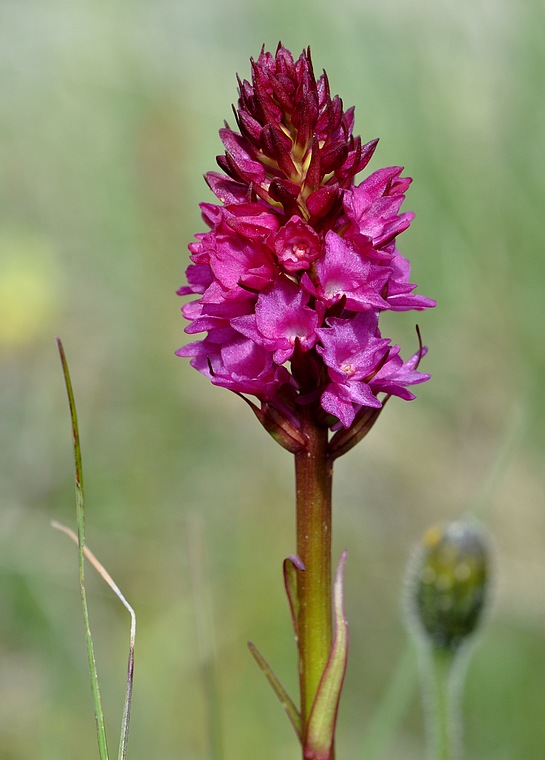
(352, 349)
(342, 273)
(281, 319)
(296, 245)
(232, 361)
(394, 374)
(373, 206)
(298, 261)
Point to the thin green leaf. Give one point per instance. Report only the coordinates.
(323, 717)
(287, 703)
(80, 514)
(290, 566)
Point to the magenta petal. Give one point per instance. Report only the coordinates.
(343, 273)
(252, 220)
(236, 261)
(342, 409)
(400, 296)
(321, 201)
(353, 351)
(249, 169)
(199, 277)
(394, 375)
(281, 318)
(226, 189)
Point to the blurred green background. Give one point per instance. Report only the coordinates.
(109, 114)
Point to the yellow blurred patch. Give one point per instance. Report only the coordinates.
(29, 287)
(433, 536)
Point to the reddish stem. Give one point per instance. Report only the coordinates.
(313, 478)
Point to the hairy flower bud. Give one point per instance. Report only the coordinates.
(448, 581)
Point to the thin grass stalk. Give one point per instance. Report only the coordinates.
(80, 516)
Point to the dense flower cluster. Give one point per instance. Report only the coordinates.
(299, 261)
